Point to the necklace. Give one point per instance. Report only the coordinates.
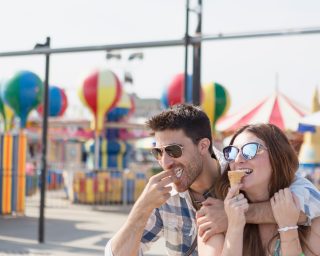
(198, 203)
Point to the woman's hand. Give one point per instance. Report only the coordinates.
(236, 207)
(285, 208)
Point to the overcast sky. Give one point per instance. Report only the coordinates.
(247, 68)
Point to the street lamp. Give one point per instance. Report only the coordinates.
(127, 77)
(111, 55)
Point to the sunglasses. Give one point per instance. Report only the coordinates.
(172, 150)
(248, 151)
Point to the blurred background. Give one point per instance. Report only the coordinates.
(97, 144)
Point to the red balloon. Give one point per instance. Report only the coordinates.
(175, 94)
(100, 92)
(176, 90)
(58, 102)
(64, 102)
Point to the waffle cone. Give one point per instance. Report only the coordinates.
(235, 177)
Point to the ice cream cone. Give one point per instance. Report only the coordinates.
(235, 177)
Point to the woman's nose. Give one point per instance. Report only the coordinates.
(239, 158)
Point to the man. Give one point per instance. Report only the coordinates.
(167, 206)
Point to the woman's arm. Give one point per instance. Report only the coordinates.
(212, 247)
(232, 243)
(286, 213)
(314, 237)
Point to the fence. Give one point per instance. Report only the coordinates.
(108, 187)
(12, 172)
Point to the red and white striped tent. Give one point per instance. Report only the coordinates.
(277, 109)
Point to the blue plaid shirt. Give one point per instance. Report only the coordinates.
(175, 220)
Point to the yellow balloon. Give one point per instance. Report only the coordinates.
(216, 101)
(8, 119)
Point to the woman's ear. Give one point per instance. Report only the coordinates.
(204, 145)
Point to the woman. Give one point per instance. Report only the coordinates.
(270, 163)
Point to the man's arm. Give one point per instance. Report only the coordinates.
(127, 239)
(215, 220)
(260, 213)
(308, 195)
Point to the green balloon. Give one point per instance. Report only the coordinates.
(23, 92)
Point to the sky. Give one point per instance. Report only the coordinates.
(247, 68)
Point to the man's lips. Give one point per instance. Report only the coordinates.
(178, 172)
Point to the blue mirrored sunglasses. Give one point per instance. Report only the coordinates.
(248, 151)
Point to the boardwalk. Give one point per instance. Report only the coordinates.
(70, 230)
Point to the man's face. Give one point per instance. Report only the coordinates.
(188, 166)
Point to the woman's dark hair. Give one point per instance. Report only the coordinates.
(188, 118)
(284, 163)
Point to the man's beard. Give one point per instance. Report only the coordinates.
(190, 173)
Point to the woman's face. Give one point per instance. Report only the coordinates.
(259, 170)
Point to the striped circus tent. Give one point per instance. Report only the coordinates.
(276, 109)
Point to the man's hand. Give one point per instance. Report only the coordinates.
(211, 218)
(127, 240)
(157, 190)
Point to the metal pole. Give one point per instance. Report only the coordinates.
(167, 43)
(196, 77)
(96, 150)
(186, 45)
(44, 143)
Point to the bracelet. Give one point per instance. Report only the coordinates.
(284, 229)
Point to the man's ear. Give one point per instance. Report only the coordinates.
(204, 145)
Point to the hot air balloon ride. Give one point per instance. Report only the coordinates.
(174, 93)
(216, 101)
(122, 108)
(22, 93)
(100, 92)
(7, 115)
(119, 113)
(58, 102)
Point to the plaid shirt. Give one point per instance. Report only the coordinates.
(175, 220)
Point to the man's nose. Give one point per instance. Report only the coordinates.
(166, 161)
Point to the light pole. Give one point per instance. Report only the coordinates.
(196, 78)
(44, 141)
(186, 45)
(192, 91)
(127, 75)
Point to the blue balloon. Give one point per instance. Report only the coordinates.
(23, 92)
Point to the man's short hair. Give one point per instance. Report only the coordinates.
(189, 118)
